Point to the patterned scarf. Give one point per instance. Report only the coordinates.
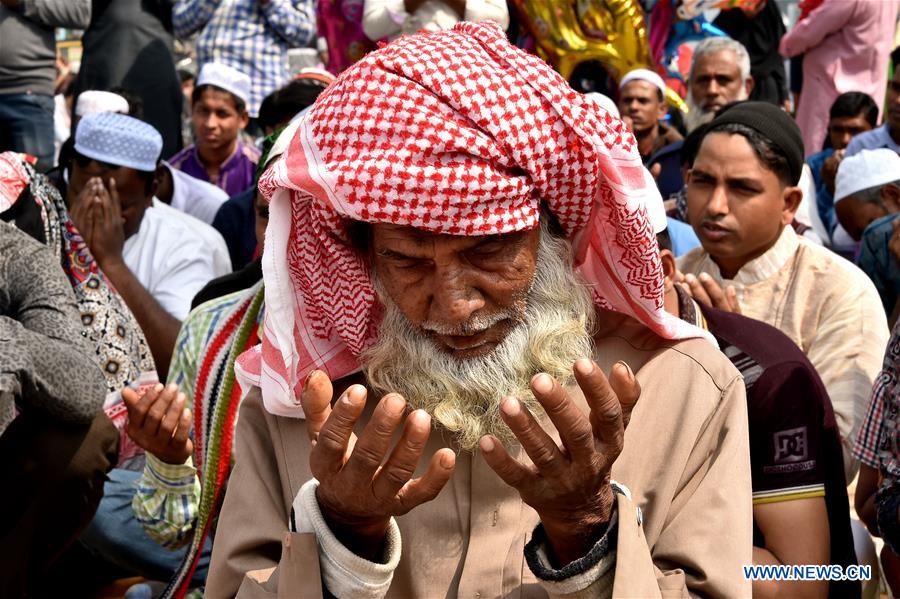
(216, 402)
(454, 132)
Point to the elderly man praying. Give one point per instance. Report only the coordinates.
(450, 269)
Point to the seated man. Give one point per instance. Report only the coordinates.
(155, 259)
(801, 514)
(54, 454)
(887, 135)
(219, 114)
(851, 114)
(867, 200)
(642, 104)
(459, 297)
(742, 196)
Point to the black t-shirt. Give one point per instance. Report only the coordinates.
(795, 447)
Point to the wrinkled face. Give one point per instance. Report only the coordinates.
(716, 81)
(130, 184)
(855, 215)
(640, 101)
(216, 119)
(893, 103)
(842, 129)
(465, 293)
(736, 205)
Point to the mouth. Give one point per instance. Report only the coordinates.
(714, 232)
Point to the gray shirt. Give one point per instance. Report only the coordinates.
(27, 45)
(46, 365)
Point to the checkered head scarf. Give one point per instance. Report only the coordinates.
(454, 132)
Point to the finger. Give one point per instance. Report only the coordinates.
(159, 408)
(626, 387)
(372, 445)
(143, 404)
(606, 411)
(510, 470)
(731, 292)
(429, 485)
(714, 291)
(697, 290)
(172, 416)
(183, 430)
(329, 452)
(572, 424)
(402, 463)
(540, 447)
(315, 399)
(115, 206)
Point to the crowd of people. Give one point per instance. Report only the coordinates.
(426, 320)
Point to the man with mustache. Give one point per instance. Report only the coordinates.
(742, 195)
(466, 258)
(720, 74)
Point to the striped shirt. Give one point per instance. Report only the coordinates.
(249, 35)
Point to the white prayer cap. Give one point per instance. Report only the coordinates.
(225, 77)
(118, 139)
(605, 103)
(867, 169)
(644, 75)
(92, 101)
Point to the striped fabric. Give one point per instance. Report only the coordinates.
(788, 494)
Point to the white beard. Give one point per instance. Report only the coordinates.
(555, 321)
(697, 116)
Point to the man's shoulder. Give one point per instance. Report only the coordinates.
(177, 161)
(831, 273)
(868, 140)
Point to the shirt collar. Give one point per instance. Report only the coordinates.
(763, 267)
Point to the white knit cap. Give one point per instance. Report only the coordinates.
(225, 77)
(92, 101)
(605, 102)
(644, 75)
(866, 169)
(118, 139)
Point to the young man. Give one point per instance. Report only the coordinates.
(801, 514)
(888, 134)
(458, 294)
(155, 258)
(742, 196)
(642, 104)
(851, 114)
(219, 113)
(720, 74)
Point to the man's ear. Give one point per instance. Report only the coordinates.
(245, 119)
(792, 196)
(890, 196)
(663, 110)
(669, 267)
(749, 85)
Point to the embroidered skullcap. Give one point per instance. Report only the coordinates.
(92, 101)
(456, 132)
(118, 139)
(225, 77)
(605, 102)
(644, 75)
(865, 170)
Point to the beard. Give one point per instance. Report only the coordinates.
(553, 328)
(697, 115)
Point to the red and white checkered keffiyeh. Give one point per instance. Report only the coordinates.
(455, 132)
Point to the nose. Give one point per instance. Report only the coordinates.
(455, 299)
(718, 203)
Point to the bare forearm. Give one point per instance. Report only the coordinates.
(783, 588)
(160, 328)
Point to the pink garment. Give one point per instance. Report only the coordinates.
(455, 132)
(847, 45)
(340, 24)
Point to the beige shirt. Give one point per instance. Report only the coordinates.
(685, 460)
(827, 306)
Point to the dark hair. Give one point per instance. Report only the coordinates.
(691, 145)
(284, 103)
(664, 240)
(185, 75)
(135, 102)
(852, 104)
(239, 104)
(768, 153)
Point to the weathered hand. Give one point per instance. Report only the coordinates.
(568, 486)
(81, 209)
(108, 239)
(705, 290)
(159, 422)
(358, 490)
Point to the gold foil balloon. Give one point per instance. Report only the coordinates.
(569, 32)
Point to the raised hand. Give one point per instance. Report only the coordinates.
(108, 239)
(568, 486)
(360, 486)
(160, 423)
(704, 289)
